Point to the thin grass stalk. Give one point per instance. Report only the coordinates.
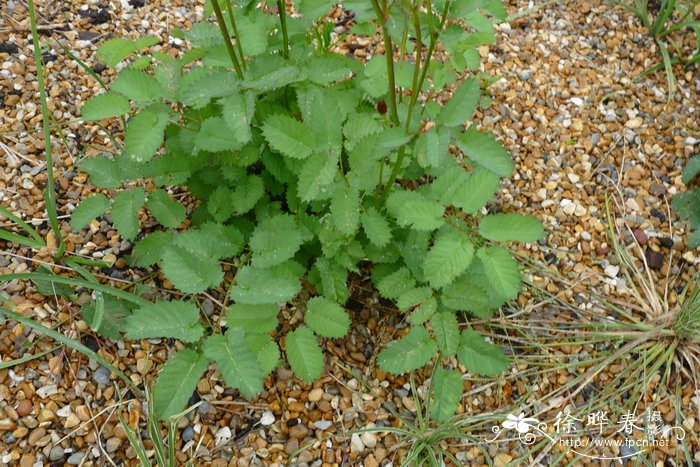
(50, 191)
(282, 12)
(227, 38)
(236, 35)
(389, 54)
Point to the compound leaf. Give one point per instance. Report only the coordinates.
(169, 212)
(254, 319)
(275, 240)
(480, 356)
(88, 209)
(188, 271)
(511, 227)
(184, 367)
(501, 270)
(288, 136)
(408, 353)
(125, 212)
(235, 360)
(449, 257)
(172, 319)
(326, 317)
(448, 389)
(304, 355)
(103, 106)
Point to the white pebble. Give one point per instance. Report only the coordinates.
(267, 418)
(611, 270)
(356, 444)
(222, 435)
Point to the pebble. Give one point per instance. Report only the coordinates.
(640, 236)
(101, 375)
(654, 259)
(188, 434)
(315, 395)
(113, 444)
(356, 444)
(56, 453)
(267, 418)
(24, 407)
(369, 439)
(35, 436)
(222, 435)
(76, 458)
(46, 391)
(525, 75)
(657, 189)
(323, 425)
(611, 270)
(298, 431)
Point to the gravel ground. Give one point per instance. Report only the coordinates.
(568, 108)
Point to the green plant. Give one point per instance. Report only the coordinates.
(307, 166)
(670, 17)
(687, 203)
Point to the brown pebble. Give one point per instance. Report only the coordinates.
(654, 258)
(24, 407)
(291, 447)
(640, 236)
(298, 432)
(6, 424)
(35, 436)
(315, 395)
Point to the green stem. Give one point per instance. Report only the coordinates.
(389, 54)
(239, 46)
(50, 191)
(227, 38)
(282, 11)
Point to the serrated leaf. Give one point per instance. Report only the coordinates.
(483, 149)
(137, 86)
(376, 227)
(511, 227)
(114, 51)
(103, 106)
(189, 272)
(691, 169)
(169, 212)
(424, 312)
(238, 110)
(413, 297)
(277, 284)
(326, 318)
(234, 359)
(316, 174)
(396, 283)
(326, 69)
(288, 136)
(214, 136)
(177, 381)
(449, 257)
(345, 209)
(202, 84)
(275, 240)
(147, 252)
(409, 353)
(446, 330)
(266, 351)
(304, 355)
(333, 279)
(447, 388)
(247, 194)
(253, 34)
(468, 297)
(222, 241)
(411, 209)
(501, 270)
(88, 210)
(358, 127)
(172, 319)
(114, 312)
(462, 104)
(479, 356)
(144, 134)
(125, 212)
(103, 172)
(476, 191)
(254, 319)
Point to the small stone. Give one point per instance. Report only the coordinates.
(24, 407)
(502, 460)
(46, 391)
(370, 461)
(71, 421)
(188, 434)
(113, 444)
(611, 270)
(76, 458)
(9, 438)
(657, 189)
(56, 453)
(298, 431)
(654, 258)
(658, 214)
(323, 425)
(356, 444)
(573, 178)
(267, 419)
(101, 375)
(409, 403)
(640, 236)
(35, 436)
(83, 413)
(222, 435)
(315, 395)
(291, 447)
(369, 439)
(525, 75)
(666, 242)
(634, 123)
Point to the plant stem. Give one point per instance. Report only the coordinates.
(389, 54)
(50, 191)
(227, 38)
(239, 46)
(282, 12)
